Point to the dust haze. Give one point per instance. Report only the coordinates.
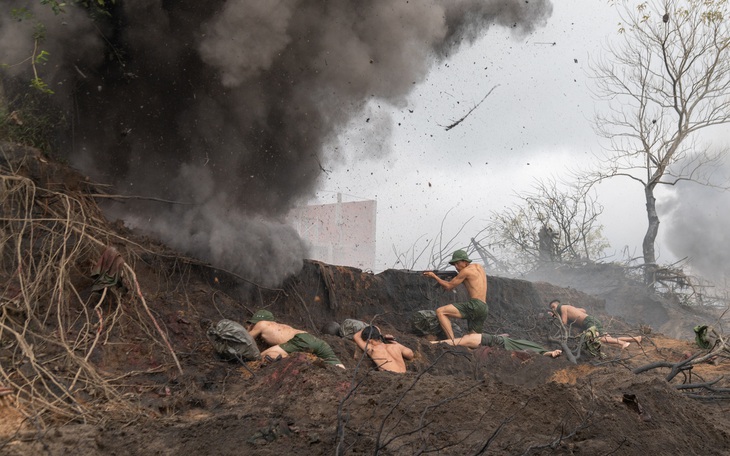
(696, 225)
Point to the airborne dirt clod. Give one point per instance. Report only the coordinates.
(93, 372)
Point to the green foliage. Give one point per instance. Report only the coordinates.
(39, 32)
(32, 120)
(21, 14)
(40, 85)
(92, 5)
(40, 57)
(55, 5)
(30, 117)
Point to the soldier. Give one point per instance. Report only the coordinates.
(580, 317)
(284, 340)
(475, 280)
(387, 354)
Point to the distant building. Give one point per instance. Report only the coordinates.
(342, 233)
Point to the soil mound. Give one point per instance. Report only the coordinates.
(119, 363)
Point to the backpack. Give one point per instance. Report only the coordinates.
(705, 336)
(425, 322)
(231, 341)
(349, 327)
(592, 343)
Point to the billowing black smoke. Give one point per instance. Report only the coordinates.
(225, 106)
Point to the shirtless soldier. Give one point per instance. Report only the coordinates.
(284, 340)
(389, 356)
(475, 280)
(580, 317)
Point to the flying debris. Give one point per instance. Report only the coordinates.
(449, 127)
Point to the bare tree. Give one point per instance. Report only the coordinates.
(667, 79)
(551, 223)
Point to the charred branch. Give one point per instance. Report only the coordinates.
(716, 351)
(563, 337)
(449, 127)
(563, 435)
(379, 443)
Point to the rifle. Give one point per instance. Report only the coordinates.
(445, 275)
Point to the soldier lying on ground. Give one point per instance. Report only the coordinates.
(285, 340)
(488, 340)
(386, 353)
(580, 317)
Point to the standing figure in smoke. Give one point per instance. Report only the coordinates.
(548, 244)
(474, 310)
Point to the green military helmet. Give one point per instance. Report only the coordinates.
(459, 255)
(261, 315)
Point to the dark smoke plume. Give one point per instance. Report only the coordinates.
(228, 105)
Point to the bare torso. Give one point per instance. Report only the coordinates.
(388, 357)
(274, 333)
(574, 314)
(475, 281)
(473, 277)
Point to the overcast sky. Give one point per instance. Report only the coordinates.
(537, 122)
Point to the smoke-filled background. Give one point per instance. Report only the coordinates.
(231, 109)
(698, 227)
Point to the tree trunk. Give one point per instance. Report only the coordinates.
(650, 236)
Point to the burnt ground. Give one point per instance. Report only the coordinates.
(133, 399)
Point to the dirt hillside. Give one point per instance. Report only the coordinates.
(122, 365)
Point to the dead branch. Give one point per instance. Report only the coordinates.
(501, 426)
(621, 443)
(354, 385)
(149, 313)
(146, 198)
(676, 368)
(304, 304)
(422, 424)
(233, 274)
(562, 436)
(562, 339)
(707, 397)
(425, 449)
(50, 323)
(378, 445)
(706, 385)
